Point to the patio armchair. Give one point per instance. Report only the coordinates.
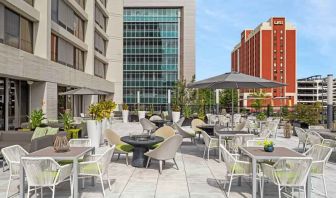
(288, 172)
(45, 172)
(80, 142)
(180, 121)
(320, 155)
(210, 143)
(120, 147)
(314, 138)
(97, 166)
(239, 126)
(329, 143)
(166, 151)
(165, 132)
(196, 122)
(233, 144)
(303, 136)
(12, 155)
(147, 125)
(185, 134)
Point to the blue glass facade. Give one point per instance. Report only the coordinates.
(151, 53)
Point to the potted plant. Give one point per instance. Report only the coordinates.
(35, 119)
(268, 145)
(261, 116)
(125, 113)
(107, 108)
(141, 112)
(71, 132)
(176, 114)
(187, 114)
(94, 125)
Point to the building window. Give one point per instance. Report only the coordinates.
(26, 35)
(99, 69)
(100, 18)
(99, 44)
(18, 31)
(53, 47)
(79, 59)
(274, 64)
(78, 27)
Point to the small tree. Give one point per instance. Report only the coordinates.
(35, 119)
(225, 98)
(258, 101)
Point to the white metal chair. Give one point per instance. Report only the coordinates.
(12, 155)
(185, 134)
(166, 151)
(97, 166)
(288, 172)
(80, 142)
(302, 135)
(314, 138)
(320, 155)
(255, 143)
(147, 125)
(210, 143)
(45, 172)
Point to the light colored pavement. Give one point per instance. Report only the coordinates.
(196, 177)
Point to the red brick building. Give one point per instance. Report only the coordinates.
(269, 51)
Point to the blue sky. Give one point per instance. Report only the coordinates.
(220, 22)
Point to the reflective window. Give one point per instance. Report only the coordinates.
(100, 18)
(99, 69)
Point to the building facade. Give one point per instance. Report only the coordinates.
(314, 89)
(269, 51)
(159, 48)
(50, 46)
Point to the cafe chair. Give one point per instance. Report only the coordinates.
(239, 126)
(184, 133)
(234, 166)
(45, 172)
(180, 121)
(155, 117)
(166, 151)
(12, 155)
(196, 122)
(288, 172)
(120, 147)
(303, 137)
(210, 143)
(320, 155)
(165, 132)
(80, 142)
(147, 125)
(255, 143)
(314, 138)
(97, 166)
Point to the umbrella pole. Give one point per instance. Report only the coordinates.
(232, 105)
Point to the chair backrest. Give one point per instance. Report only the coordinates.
(239, 126)
(105, 159)
(302, 134)
(329, 142)
(13, 153)
(147, 125)
(236, 118)
(223, 120)
(319, 153)
(206, 138)
(228, 159)
(80, 142)
(112, 137)
(165, 132)
(155, 117)
(168, 148)
(40, 171)
(181, 131)
(314, 138)
(196, 122)
(213, 119)
(292, 171)
(255, 143)
(180, 121)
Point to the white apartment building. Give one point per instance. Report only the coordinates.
(50, 46)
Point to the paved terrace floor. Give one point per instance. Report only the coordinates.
(196, 177)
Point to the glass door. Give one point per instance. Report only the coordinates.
(2, 104)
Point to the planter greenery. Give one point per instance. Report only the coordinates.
(268, 145)
(102, 110)
(35, 119)
(310, 114)
(258, 102)
(187, 111)
(67, 120)
(176, 108)
(261, 116)
(125, 107)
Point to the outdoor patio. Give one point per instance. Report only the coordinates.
(196, 177)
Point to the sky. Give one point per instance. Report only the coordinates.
(220, 22)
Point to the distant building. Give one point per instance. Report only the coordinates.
(313, 89)
(269, 51)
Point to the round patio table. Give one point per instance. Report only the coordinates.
(141, 146)
(160, 123)
(208, 128)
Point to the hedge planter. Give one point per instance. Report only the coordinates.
(141, 114)
(93, 133)
(176, 116)
(125, 114)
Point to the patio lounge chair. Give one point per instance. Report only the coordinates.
(165, 132)
(194, 124)
(147, 125)
(12, 155)
(185, 134)
(288, 172)
(320, 155)
(120, 147)
(166, 151)
(97, 165)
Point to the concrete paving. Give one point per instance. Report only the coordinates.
(196, 177)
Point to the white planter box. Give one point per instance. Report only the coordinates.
(125, 116)
(93, 133)
(176, 116)
(141, 114)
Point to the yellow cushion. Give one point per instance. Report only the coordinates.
(39, 132)
(124, 147)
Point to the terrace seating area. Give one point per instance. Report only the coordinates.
(206, 159)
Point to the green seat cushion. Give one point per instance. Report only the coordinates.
(89, 168)
(65, 162)
(52, 131)
(39, 132)
(287, 177)
(155, 146)
(124, 147)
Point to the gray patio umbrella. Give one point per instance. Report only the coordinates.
(235, 80)
(83, 91)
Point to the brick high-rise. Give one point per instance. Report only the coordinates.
(269, 51)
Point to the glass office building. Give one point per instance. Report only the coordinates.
(151, 54)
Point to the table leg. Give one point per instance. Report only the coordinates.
(93, 178)
(22, 193)
(219, 150)
(139, 159)
(308, 186)
(254, 178)
(75, 178)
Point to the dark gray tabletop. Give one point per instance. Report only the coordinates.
(279, 152)
(73, 153)
(206, 126)
(136, 142)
